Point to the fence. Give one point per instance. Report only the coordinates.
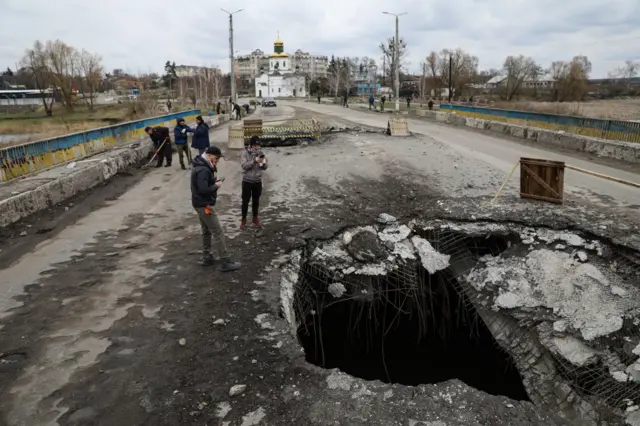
(20, 160)
(627, 131)
(239, 135)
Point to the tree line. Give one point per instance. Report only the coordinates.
(55, 67)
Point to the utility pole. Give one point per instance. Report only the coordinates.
(231, 60)
(396, 55)
(450, 82)
(424, 81)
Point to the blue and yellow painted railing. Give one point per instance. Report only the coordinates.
(627, 131)
(21, 160)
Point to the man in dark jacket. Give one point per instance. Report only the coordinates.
(204, 192)
(161, 143)
(180, 137)
(236, 111)
(200, 139)
(253, 163)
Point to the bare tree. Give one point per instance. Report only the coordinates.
(348, 68)
(335, 74)
(620, 77)
(91, 70)
(36, 63)
(434, 69)
(64, 64)
(518, 70)
(570, 78)
(388, 48)
(464, 68)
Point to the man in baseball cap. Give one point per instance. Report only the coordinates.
(204, 193)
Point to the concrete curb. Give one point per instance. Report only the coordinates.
(623, 151)
(51, 193)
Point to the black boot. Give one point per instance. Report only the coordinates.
(208, 260)
(228, 265)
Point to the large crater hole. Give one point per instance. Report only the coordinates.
(408, 327)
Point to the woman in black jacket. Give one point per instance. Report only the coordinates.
(200, 139)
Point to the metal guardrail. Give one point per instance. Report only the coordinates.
(618, 130)
(23, 159)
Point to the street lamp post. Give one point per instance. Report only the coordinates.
(396, 54)
(231, 70)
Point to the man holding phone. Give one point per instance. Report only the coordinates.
(204, 193)
(253, 163)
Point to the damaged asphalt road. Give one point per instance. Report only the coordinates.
(112, 321)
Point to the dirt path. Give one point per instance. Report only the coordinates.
(92, 316)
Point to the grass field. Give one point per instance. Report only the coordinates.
(38, 126)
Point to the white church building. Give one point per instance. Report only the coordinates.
(280, 80)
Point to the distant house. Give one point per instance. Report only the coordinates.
(499, 81)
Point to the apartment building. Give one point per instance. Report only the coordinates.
(310, 64)
(248, 67)
(192, 71)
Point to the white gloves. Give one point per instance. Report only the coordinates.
(184, 131)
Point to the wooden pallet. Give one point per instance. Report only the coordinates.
(542, 180)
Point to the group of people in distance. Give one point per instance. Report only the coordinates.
(205, 182)
(161, 139)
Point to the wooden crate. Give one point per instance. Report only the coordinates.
(252, 128)
(542, 180)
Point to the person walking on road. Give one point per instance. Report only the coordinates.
(204, 192)
(409, 102)
(372, 101)
(161, 144)
(200, 139)
(383, 99)
(253, 163)
(345, 102)
(180, 137)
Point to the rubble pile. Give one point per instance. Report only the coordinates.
(565, 307)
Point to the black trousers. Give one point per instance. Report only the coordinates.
(251, 191)
(165, 152)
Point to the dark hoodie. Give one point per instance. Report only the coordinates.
(159, 135)
(179, 137)
(203, 183)
(201, 135)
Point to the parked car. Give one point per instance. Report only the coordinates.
(268, 102)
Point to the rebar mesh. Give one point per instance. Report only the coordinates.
(591, 390)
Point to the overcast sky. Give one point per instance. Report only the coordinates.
(141, 35)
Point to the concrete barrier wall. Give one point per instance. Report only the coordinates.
(623, 151)
(618, 130)
(56, 191)
(20, 160)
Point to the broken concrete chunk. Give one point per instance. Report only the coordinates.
(338, 380)
(237, 390)
(223, 409)
(432, 260)
(386, 218)
(582, 256)
(337, 289)
(366, 247)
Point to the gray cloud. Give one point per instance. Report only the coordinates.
(140, 35)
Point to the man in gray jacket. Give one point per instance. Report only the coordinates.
(253, 163)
